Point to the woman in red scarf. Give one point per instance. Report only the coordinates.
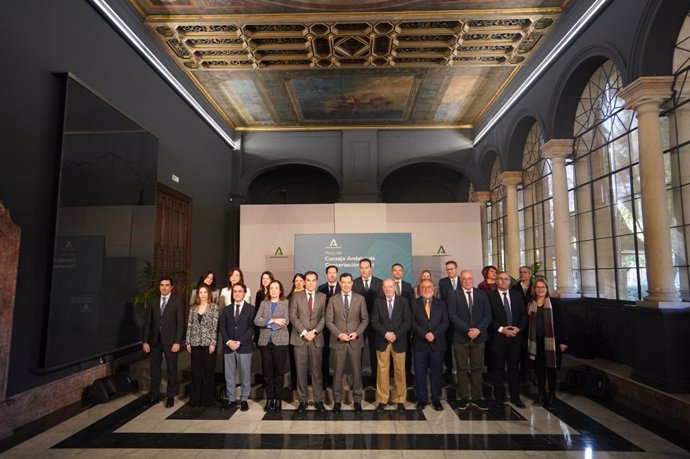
(546, 341)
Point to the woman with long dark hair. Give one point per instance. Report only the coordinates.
(206, 278)
(235, 276)
(262, 292)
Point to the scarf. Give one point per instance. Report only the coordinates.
(549, 335)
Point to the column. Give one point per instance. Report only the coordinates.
(482, 197)
(556, 151)
(510, 180)
(645, 95)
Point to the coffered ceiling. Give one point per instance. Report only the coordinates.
(337, 64)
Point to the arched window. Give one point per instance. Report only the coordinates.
(608, 232)
(495, 217)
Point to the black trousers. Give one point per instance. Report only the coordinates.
(203, 377)
(273, 364)
(544, 375)
(506, 352)
(156, 360)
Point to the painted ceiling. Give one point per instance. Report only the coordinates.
(338, 64)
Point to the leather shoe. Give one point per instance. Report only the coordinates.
(437, 406)
(244, 406)
(540, 399)
(381, 407)
(277, 404)
(320, 408)
(269, 405)
(401, 407)
(421, 405)
(463, 404)
(229, 406)
(169, 402)
(518, 403)
(358, 407)
(336, 407)
(301, 407)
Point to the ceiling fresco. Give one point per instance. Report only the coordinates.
(291, 64)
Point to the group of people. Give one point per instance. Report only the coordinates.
(409, 332)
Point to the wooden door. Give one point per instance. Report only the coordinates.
(172, 240)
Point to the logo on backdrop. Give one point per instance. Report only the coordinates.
(278, 252)
(441, 252)
(333, 244)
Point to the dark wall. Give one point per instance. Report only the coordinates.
(43, 37)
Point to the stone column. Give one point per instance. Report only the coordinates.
(510, 180)
(556, 151)
(482, 197)
(645, 95)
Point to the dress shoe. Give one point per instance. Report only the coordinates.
(401, 407)
(497, 404)
(381, 407)
(437, 406)
(481, 405)
(229, 406)
(358, 407)
(169, 402)
(463, 404)
(244, 406)
(540, 399)
(518, 403)
(153, 399)
(549, 403)
(336, 407)
(277, 404)
(421, 405)
(269, 405)
(301, 407)
(320, 408)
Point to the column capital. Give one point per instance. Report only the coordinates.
(557, 148)
(482, 196)
(511, 178)
(645, 90)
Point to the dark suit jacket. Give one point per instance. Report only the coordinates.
(498, 313)
(338, 323)
(301, 320)
(164, 329)
(437, 324)
(460, 316)
(375, 290)
(323, 288)
(399, 323)
(406, 291)
(526, 296)
(241, 330)
(445, 288)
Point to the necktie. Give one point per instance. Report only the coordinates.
(455, 283)
(427, 308)
(397, 288)
(164, 301)
(331, 290)
(506, 306)
(347, 305)
(366, 284)
(237, 311)
(469, 305)
(310, 304)
(390, 309)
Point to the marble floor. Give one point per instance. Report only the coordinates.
(132, 427)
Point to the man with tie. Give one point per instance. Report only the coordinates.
(162, 335)
(347, 319)
(446, 288)
(237, 332)
(470, 314)
(429, 325)
(404, 289)
(307, 316)
(328, 288)
(370, 288)
(390, 321)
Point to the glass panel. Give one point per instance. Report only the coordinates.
(585, 226)
(621, 185)
(584, 201)
(602, 222)
(605, 253)
(628, 287)
(607, 283)
(620, 153)
(599, 162)
(601, 193)
(588, 282)
(587, 260)
(624, 217)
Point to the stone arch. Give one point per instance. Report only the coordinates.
(486, 162)
(517, 139)
(249, 176)
(424, 181)
(294, 183)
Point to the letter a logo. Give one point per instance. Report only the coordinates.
(279, 252)
(441, 250)
(333, 243)
(69, 245)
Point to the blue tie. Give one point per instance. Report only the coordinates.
(390, 309)
(506, 306)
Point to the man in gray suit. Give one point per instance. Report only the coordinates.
(162, 335)
(347, 319)
(307, 316)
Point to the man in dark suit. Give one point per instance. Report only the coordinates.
(370, 288)
(237, 332)
(347, 319)
(328, 288)
(429, 325)
(162, 335)
(524, 284)
(509, 319)
(390, 321)
(470, 314)
(446, 289)
(405, 290)
(307, 317)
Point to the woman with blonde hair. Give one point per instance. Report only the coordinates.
(202, 332)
